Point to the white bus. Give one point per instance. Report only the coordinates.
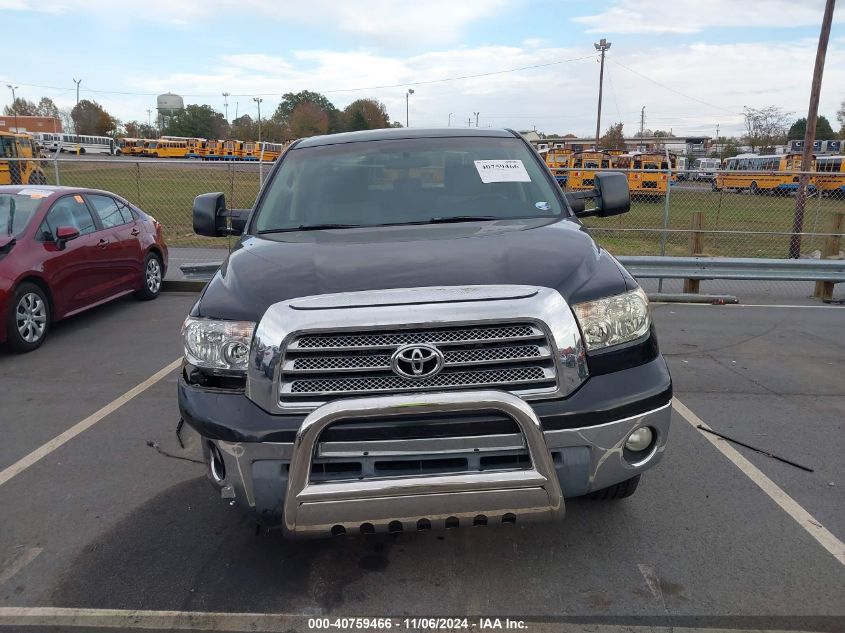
(88, 144)
(47, 140)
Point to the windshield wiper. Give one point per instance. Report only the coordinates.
(310, 227)
(463, 218)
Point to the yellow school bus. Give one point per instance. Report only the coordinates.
(775, 173)
(211, 150)
(192, 144)
(272, 151)
(163, 148)
(830, 180)
(583, 168)
(558, 160)
(131, 146)
(232, 150)
(24, 170)
(648, 173)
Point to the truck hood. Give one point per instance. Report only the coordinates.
(263, 270)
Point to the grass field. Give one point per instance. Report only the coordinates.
(167, 190)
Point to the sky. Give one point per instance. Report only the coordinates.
(523, 64)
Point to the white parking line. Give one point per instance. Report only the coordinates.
(45, 449)
(806, 520)
(24, 558)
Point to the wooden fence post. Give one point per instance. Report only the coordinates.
(696, 247)
(830, 250)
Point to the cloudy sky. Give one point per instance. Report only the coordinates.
(519, 63)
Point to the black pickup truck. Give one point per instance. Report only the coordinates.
(415, 331)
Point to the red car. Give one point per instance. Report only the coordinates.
(66, 249)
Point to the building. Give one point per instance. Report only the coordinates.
(681, 145)
(30, 124)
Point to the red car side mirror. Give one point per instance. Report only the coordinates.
(64, 234)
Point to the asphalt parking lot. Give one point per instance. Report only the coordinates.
(118, 524)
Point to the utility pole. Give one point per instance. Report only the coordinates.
(603, 45)
(226, 106)
(236, 111)
(14, 103)
(718, 143)
(407, 106)
(642, 129)
(810, 134)
(450, 120)
(258, 100)
(476, 118)
(75, 126)
(469, 121)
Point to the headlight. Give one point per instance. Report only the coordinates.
(613, 320)
(217, 344)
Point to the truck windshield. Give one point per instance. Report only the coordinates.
(404, 181)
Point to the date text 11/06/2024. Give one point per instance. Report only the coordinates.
(414, 624)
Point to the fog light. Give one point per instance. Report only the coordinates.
(639, 440)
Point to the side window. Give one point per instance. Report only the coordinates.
(108, 211)
(125, 212)
(69, 211)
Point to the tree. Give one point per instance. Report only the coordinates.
(823, 129)
(662, 134)
(308, 119)
(645, 133)
(365, 114)
(840, 116)
(136, 129)
(194, 121)
(244, 128)
(21, 107)
(89, 117)
(46, 107)
(613, 138)
(290, 101)
(765, 127)
(727, 148)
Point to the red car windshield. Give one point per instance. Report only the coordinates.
(16, 211)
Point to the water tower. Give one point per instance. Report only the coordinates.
(168, 105)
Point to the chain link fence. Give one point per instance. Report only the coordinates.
(690, 213)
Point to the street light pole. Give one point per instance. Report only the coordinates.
(603, 45)
(14, 104)
(149, 118)
(476, 118)
(407, 106)
(258, 100)
(75, 125)
(450, 120)
(226, 106)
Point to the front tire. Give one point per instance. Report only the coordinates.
(621, 490)
(29, 318)
(151, 278)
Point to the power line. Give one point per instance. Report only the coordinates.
(336, 90)
(677, 92)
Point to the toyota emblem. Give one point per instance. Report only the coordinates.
(417, 361)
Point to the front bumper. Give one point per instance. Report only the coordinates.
(284, 483)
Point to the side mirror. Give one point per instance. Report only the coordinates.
(611, 195)
(64, 234)
(212, 219)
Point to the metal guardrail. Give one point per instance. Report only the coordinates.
(743, 268)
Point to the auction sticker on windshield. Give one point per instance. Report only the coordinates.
(502, 171)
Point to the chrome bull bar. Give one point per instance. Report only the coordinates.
(382, 504)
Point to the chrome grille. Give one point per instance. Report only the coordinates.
(513, 356)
